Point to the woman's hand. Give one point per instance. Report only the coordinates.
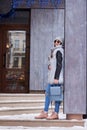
(49, 67)
(55, 81)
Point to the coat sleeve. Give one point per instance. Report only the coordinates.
(58, 64)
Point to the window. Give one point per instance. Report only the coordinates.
(23, 49)
(23, 61)
(16, 44)
(15, 62)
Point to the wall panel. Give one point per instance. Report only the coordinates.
(46, 24)
(75, 57)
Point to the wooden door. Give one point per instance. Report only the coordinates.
(15, 59)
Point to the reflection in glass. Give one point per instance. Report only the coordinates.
(15, 49)
(15, 60)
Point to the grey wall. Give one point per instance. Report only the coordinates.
(75, 57)
(46, 24)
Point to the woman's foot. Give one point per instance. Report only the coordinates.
(53, 116)
(42, 115)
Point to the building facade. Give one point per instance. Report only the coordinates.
(23, 59)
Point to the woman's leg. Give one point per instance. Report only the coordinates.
(57, 105)
(54, 114)
(44, 114)
(47, 98)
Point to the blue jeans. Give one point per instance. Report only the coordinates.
(47, 101)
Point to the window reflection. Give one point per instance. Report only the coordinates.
(15, 53)
(15, 60)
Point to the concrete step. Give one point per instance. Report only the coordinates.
(21, 103)
(41, 123)
(29, 120)
(4, 97)
(11, 104)
(19, 110)
(24, 110)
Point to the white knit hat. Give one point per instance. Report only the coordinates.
(60, 39)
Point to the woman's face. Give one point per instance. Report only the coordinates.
(56, 43)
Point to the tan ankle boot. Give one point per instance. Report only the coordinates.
(53, 116)
(42, 115)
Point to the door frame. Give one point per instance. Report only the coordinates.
(4, 28)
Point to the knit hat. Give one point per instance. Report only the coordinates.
(60, 39)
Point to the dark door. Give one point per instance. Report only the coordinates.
(15, 59)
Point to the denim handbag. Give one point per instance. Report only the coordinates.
(56, 93)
